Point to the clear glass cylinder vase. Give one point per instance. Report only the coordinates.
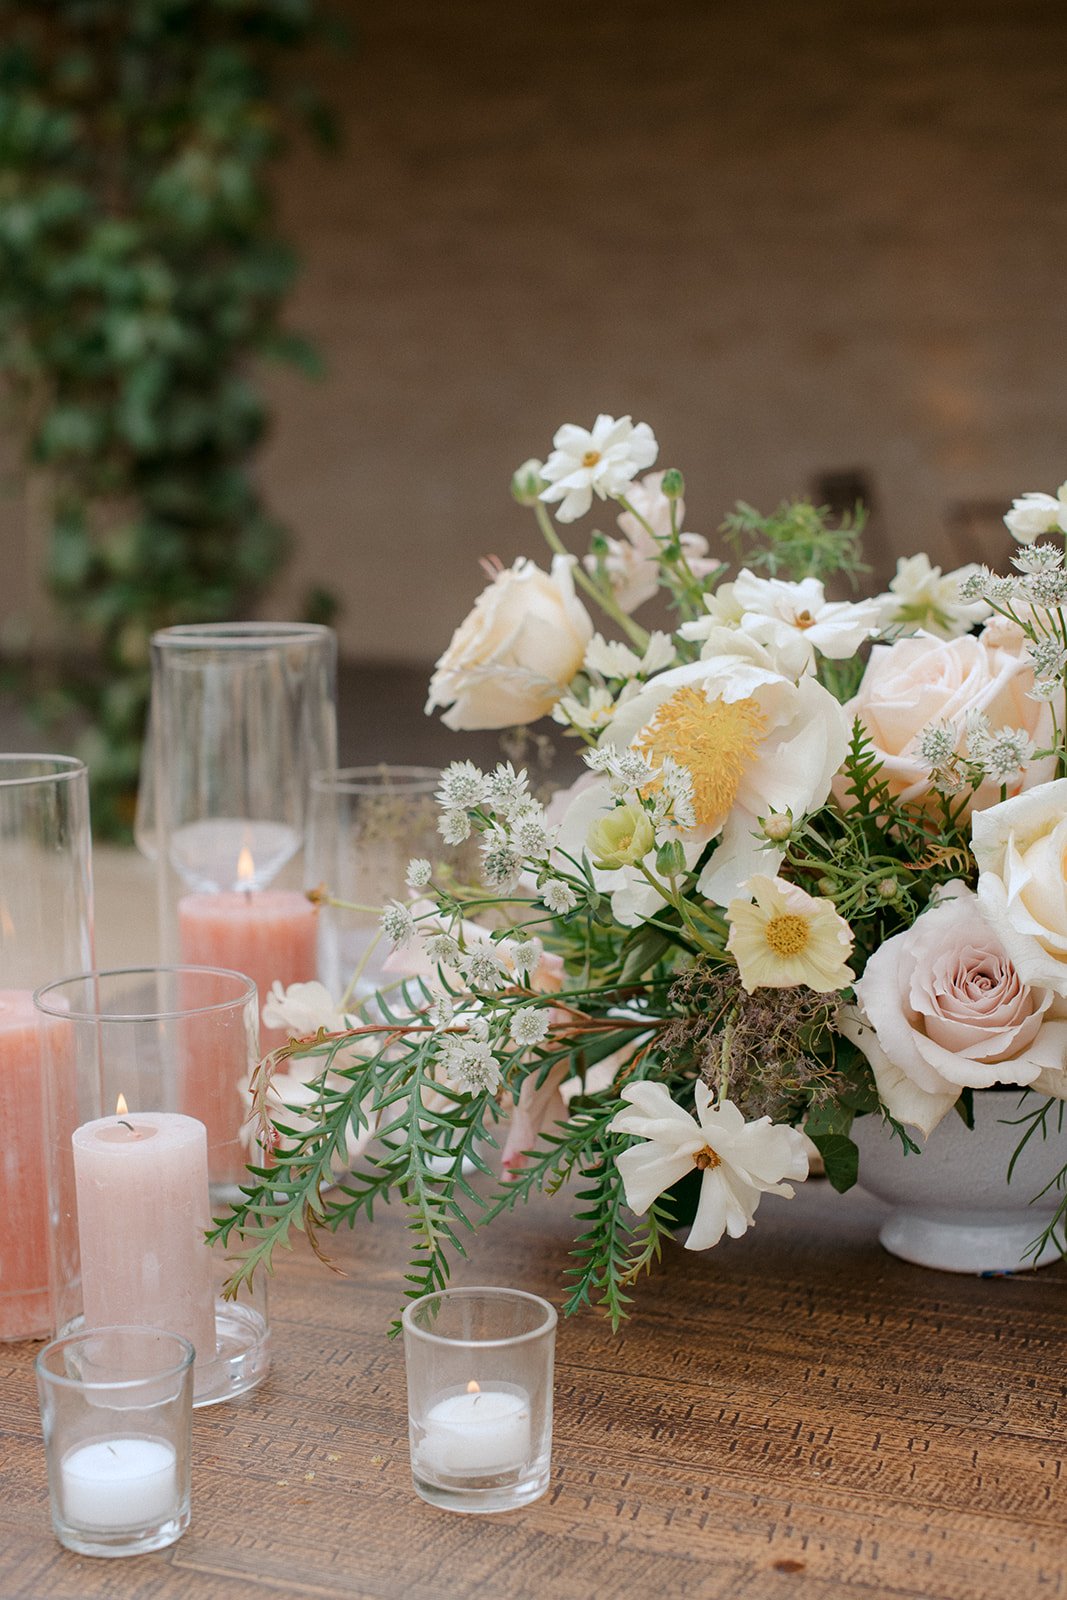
(148, 1075)
(46, 929)
(242, 715)
(365, 825)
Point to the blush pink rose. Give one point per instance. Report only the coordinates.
(922, 680)
(949, 1011)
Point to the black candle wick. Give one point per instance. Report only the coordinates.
(125, 1124)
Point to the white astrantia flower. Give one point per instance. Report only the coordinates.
(921, 596)
(1037, 558)
(419, 873)
(454, 827)
(753, 741)
(603, 460)
(398, 924)
(463, 787)
(469, 1064)
(501, 864)
(739, 1161)
(783, 937)
(442, 1009)
(442, 949)
(507, 790)
(1031, 515)
(529, 1025)
(558, 896)
(530, 832)
(524, 955)
(484, 968)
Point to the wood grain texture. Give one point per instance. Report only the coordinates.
(795, 1416)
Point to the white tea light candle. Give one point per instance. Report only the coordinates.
(477, 1432)
(484, 1442)
(119, 1483)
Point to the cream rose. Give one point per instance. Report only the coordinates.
(951, 1011)
(1021, 850)
(512, 658)
(923, 680)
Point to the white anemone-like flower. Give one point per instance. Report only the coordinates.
(300, 1010)
(754, 742)
(1031, 515)
(921, 596)
(603, 460)
(784, 937)
(795, 621)
(739, 1160)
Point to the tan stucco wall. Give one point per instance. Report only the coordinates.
(794, 235)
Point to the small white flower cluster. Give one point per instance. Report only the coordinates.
(1042, 581)
(963, 758)
(665, 791)
(467, 1061)
(612, 659)
(1049, 657)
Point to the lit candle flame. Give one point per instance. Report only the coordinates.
(121, 1107)
(246, 867)
(474, 1388)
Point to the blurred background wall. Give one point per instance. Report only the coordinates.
(804, 239)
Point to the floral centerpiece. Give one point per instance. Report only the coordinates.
(813, 870)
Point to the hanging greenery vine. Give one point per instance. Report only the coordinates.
(141, 274)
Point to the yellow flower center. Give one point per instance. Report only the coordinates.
(706, 1159)
(804, 619)
(787, 934)
(590, 458)
(715, 739)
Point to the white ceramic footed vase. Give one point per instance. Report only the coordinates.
(952, 1206)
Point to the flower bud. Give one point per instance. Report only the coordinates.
(527, 482)
(621, 838)
(827, 887)
(673, 484)
(778, 826)
(889, 888)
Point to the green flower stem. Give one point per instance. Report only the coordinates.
(677, 901)
(689, 592)
(359, 969)
(606, 601)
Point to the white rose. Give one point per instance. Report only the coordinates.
(1021, 850)
(922, 680)
(514, 655)
(950, 1011)
(1034, 514)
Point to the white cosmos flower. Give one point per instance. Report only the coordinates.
(613, 659)
(1031, 515)
(784, 937)
(739, 1160)
(754, 742)
(921, 596)
(793, 620)
(603, 460)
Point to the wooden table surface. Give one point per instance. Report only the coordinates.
(794, 1416)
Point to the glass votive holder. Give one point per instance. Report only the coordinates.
(116, 1411)
(364, 825)
(46, 928)
(147, 1077)
(479, 1370)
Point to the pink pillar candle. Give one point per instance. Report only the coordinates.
(267, 934)
(25, 1311)
(143, 1210)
